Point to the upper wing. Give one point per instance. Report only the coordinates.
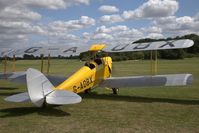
(76, 50)
(20, 77)
(160, 45)
(45, 50)
(141, 81)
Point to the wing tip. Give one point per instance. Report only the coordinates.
(189, 79)
(63, 97)
(188, 43)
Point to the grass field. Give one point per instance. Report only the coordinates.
(148, 109)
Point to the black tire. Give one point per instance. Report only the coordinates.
(115, 91)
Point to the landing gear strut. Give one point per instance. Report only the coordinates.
(87, 91)
(115, 91)
(44, 105)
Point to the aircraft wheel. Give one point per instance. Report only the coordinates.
(115, 91)
(87, 91)
(44, 104)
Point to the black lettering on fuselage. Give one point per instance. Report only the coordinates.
(83, 84)
(75, 88)
(116, 48)
(73, 49)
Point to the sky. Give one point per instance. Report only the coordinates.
(84, 22)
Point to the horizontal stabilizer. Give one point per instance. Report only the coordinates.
(141, 81)
(41, 91)
(21, 97)
(60, 97)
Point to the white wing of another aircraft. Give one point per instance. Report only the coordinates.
(76, 50)
(45, 50)
(142, 81)
(160, 45)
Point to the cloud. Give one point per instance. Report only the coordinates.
(71, 25)
(19, 28)
(60, 32)
(148, 10)
(102, 36)
(173, 25)
(50, 4)
(86, 2)
(108, 9)
(20, 21)
(153, 9)
(53, 4)
(185, 20)
(12, 33)
(155, 36)
(196, 17)
(111, 18)
(16, 23)
(17, 14)
(113, 35)
(152, 29)
(104, 29)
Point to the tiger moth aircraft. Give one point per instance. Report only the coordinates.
(59, 90)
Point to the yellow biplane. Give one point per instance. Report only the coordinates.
(47, 89)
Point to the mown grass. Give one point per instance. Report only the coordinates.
(146, 109)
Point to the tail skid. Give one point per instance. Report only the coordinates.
(41, 91)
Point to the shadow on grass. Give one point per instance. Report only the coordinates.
(8, 88)
(8, 93)
(21, 111)
(139, 99)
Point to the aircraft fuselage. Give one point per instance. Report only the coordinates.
(88, 76)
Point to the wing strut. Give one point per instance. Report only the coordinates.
(5, 64)
(14, 64)
(48, 63)
(154, 62)
(48, 67)
(42, 62)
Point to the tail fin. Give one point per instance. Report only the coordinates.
(41, 91)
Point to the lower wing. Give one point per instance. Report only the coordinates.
(141, 81)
